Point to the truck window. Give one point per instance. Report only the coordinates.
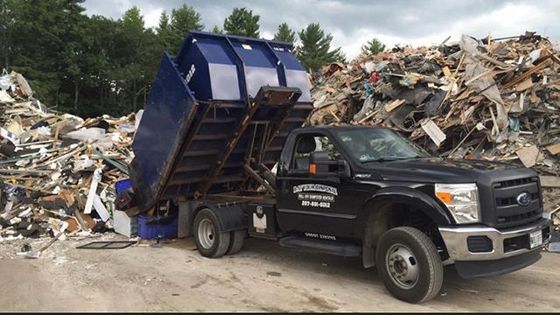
(307, 144)
(376, 144)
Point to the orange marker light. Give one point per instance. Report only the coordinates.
(312, 168)
(446, 197)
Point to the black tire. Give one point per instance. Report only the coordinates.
(396, 268)
(236, 241)
(216, 243)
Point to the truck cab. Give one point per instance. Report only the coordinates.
(353, 184)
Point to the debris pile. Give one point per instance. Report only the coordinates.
(475, 99)
(57, 171)
(496, 100)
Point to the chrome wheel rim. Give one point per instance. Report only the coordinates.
(206, 233)
(402, 266)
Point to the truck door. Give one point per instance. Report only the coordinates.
(315, 206)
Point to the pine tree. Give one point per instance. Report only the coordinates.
(285, 34)
(373, 47)
(315, 50)
(216, 29)
(242, 22)
(133, 19)
(338, 55)
(164, 32)
(7, 16)
(43, 46)
(183, 20)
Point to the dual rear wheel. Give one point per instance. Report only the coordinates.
(211, 241)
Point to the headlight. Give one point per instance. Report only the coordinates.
(461, 200)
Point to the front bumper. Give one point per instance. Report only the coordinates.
(455, 239)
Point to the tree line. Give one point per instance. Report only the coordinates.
(96, 65)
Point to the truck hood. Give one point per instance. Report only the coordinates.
(446, 170)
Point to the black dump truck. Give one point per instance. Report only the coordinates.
(221, 136)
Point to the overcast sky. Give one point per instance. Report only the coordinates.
(353, 22)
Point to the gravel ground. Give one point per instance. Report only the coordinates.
(262, 277)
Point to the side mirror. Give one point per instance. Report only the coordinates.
(321, 165)
(319, 157)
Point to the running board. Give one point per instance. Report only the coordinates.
(322, 246)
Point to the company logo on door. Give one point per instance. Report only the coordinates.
(315, 195)
(317, 188)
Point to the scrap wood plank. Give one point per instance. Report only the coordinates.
(389, 107)
(446, 71)
(96, 178)
(528, 83)
(554, 149)
(433, 131)
(550, 181)
(526, 74)
(496, 62)
(368, 116)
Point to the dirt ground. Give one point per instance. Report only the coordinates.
(262, 277)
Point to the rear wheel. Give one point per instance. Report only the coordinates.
(236, 241)
(210, 240)
(409, 265)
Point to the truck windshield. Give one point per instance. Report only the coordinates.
(378, 145)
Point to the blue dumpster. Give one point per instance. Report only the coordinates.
(199, 103)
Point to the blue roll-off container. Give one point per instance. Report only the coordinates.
(195, 105)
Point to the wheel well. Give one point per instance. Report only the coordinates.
(388, 215)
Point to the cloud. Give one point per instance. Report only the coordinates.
(353, 22)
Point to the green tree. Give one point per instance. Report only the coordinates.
(39, 49)
(85, 65)
(216, 29)
(242, 22)
(164, 31)
(76, 51)
(338, 55)
(183, 20)
(136, 56)
(285, 34)
(7, 21)
(373, 47)
(315, 50)
(98, 94)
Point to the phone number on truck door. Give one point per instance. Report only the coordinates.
(317, 204)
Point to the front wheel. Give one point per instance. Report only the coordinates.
(409, 264)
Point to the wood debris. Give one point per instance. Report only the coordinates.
(496, 100)
(55, 167)
(490, 99)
